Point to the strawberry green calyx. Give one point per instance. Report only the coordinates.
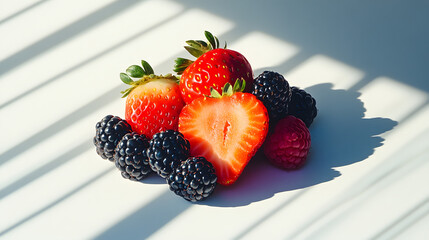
(181, 65)
(145, 75)
(196, 48)
(228, 90)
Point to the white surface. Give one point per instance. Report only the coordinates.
(364, 62)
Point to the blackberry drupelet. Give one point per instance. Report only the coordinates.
(109, 131)
(302, 106)
(194, 179)
(274, 91)
(131, 158)
(166, 151)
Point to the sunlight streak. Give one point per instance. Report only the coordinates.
(321, 68)
(263, 50)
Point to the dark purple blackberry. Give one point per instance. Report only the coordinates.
(131, 158)
(302, 106)
(109, 131)
(194, 179)
(166, 151)
(273, 90)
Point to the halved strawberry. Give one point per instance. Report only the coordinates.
(214, 67)
(153, 102)
(227, 130)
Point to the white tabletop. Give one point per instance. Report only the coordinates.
(366, 63)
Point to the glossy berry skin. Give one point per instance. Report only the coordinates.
(131, 158)
(226, 131)
(166, 151)
(194, 179)
(274, 91)
(109, 131)
(154, 107)
(214, 69)
(302, 106)
(287, 147)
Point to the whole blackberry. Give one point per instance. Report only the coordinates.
(302, 106)
(166, 151)
(194, 179)
(131, 158)
(273, 90)
(109, 131)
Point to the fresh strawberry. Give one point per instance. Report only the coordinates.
(226, 129)
(214, 67)
(153, 102)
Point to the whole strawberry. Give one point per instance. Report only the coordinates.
(153, 101)
(287, 147)
(214, 67)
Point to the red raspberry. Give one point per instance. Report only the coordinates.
(288, 145)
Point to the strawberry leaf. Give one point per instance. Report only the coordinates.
(181, 65)
(194, 51)
(227, 90)
(125, 78)
(214, 93)
(239, 85)
(147, 68)
(194, 44)
(135, 71)
(243, 84)
(211, 39)
(202, 43)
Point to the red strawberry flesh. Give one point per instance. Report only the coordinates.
(226, 131)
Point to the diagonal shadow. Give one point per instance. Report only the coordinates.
(68, 120)
(86, 61)
(58, 126)
(340, 137)
(147, 220)
(46, 168)
(56, 202)
(243, 233)
(418, 212)
(364, 185)
(65, 34)
(22, 11)
(331, 29)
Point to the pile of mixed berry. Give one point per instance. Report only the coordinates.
(203, 127)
